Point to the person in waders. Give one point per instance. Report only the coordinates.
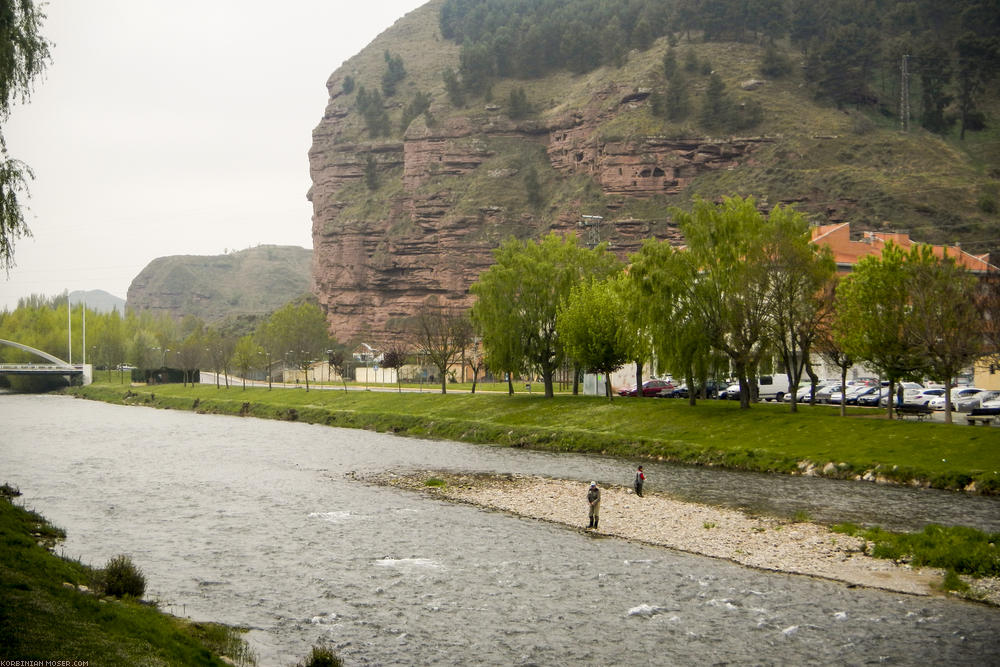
(640, 479)
(594, 499)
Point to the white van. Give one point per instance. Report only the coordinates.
(772, 387)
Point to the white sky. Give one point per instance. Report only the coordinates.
(174, 128)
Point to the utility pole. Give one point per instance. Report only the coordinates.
(592, 224)
(904, 94)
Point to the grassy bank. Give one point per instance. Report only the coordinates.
(766, 438)
(48, 612)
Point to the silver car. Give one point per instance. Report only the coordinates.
(973, 401)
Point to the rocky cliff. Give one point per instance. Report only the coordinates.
(411, 219)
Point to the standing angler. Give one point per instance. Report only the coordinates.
(640, 478)
(594, 498)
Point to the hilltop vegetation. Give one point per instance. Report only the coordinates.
(827, 99)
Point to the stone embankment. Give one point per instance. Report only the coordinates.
(762, 542)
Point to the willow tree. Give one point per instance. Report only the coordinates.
(518, 299)
(24, 53)
(726, 265)
(663, 280)
(592, 328)
(801, 276)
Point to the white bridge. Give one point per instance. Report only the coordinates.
(75, 373)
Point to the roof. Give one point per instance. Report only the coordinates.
(847, 253)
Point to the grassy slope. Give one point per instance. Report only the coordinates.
(42, 618)
(766, 438)
(851, 164)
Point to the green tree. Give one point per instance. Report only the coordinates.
(592, 328)
(727, 266)
(664, 282)
(24, 54)
(519, 297)
(394, 73)
(247, 355)
(717, 107)
(517, 103)
(800, 276)
(874, 317)
(453, 87)
(299, 335)
(947, 322)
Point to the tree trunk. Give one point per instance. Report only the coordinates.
(843, 391)
(891, 398)
(692, 394)
(638, 379)
(547, 381)
(741, 373)
(813, 381)
(510, 384)
(947, 400)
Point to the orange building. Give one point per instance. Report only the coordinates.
(847, 253)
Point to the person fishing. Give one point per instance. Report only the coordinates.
(640, 479)
(594, 500)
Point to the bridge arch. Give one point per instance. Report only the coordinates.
(43, 355)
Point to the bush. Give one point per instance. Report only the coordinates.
(121, 577)
(321, 656)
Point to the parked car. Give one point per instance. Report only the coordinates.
(910, 389)
(866, 390)
(732, 392)
(973, 400)
(850, 391)
(926, 396)
(649, 388)
(991, 403)
(804, 394)
(957, 396)
(874, 398)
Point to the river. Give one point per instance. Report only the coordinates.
(258, 523)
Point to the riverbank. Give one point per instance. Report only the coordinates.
(49, 610)
(767, 438)
(765, 543)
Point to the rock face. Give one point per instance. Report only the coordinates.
(442, 202)
(371, 272)
(248, 284)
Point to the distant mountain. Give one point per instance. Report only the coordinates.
(243, 285)
(99, 300)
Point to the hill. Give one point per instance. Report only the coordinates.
(441, 138)
(239, 285)
(98, 300)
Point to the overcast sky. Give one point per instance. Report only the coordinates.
(174, 128)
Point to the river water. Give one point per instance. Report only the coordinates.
(258, 523)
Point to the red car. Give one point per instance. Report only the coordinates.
(649, 388)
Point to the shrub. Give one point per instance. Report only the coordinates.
(121, 577)
(321, 656)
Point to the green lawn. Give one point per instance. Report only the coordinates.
(767, 437)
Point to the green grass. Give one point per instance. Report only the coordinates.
(957, 549)
(45, 616)
(766, 438)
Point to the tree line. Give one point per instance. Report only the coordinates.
(746, 289)
(849, 47)
(748, 293)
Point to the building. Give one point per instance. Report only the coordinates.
(847, 253)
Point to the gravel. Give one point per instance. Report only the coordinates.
(761, 542)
